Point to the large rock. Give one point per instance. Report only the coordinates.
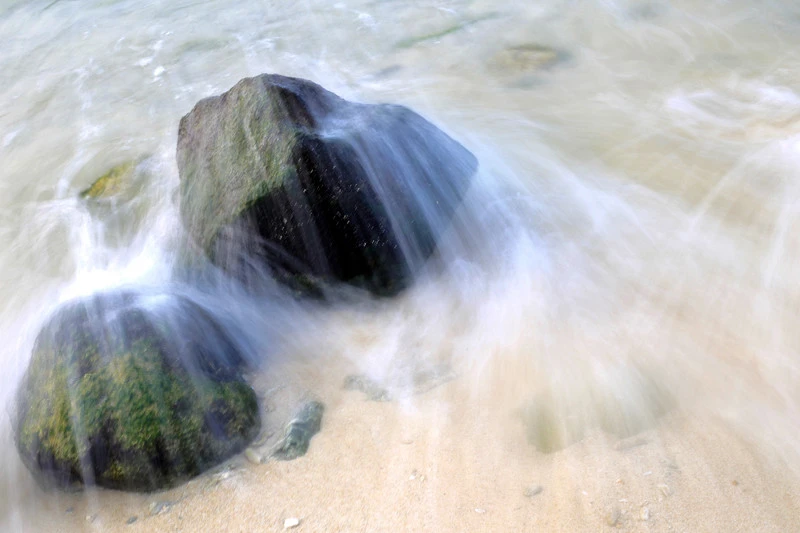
(317, 188)
(132, 392)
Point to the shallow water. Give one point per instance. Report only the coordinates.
(627, 249)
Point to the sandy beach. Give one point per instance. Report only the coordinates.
(605, 340)
(437, 462)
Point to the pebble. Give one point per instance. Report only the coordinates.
(70, 510)
(644, 514)
(131, 520)
(91, 518)
(157, 508)
(253, 456)
(528, 57)
(290, 523)
(533, 490)
(665, 490)
(480, 511)
(216, 479)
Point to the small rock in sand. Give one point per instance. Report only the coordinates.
(131, 520)
(290, 523)
(157, 508)
(253, 456)
(480, 511)
(644, 514)
(533, 490)
(665, 490)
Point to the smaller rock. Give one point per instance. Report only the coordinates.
(299, 432)
(253, 456)
(131, 520)
(644, 514)
(533, 490)
(216, 479)
(112, 183)
(91, 518)
(664, 488)
(70, 510)
(290, 523)
(480, 511)
(528, 57)
(157, 508)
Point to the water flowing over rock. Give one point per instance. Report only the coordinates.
(280, 172)
(132, 392)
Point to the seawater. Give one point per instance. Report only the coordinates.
(628, 246)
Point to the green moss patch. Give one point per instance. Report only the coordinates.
(125, 398)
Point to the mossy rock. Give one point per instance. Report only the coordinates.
(111, 183)
(279, 173)
(132, 392)
(121, 182)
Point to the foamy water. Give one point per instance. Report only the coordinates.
(627, 250)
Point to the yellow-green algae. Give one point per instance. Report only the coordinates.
(112, 183)
(107, 405)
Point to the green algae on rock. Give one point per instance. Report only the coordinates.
(280, 173)
(112, 183)
(132, 392)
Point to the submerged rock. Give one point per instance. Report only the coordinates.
(111, 183)
(132, 392)
(299, 432)
(528, 57)
(279, 172)
(118, 184)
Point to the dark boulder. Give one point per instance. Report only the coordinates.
(281, 173)
(132, 392)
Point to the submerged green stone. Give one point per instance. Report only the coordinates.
(112, 183)
(298, 433)
(132, 394)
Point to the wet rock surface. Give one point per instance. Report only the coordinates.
(299, 432)
(280, 173)
(132, 391)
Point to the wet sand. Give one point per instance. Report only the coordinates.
(437, 462)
